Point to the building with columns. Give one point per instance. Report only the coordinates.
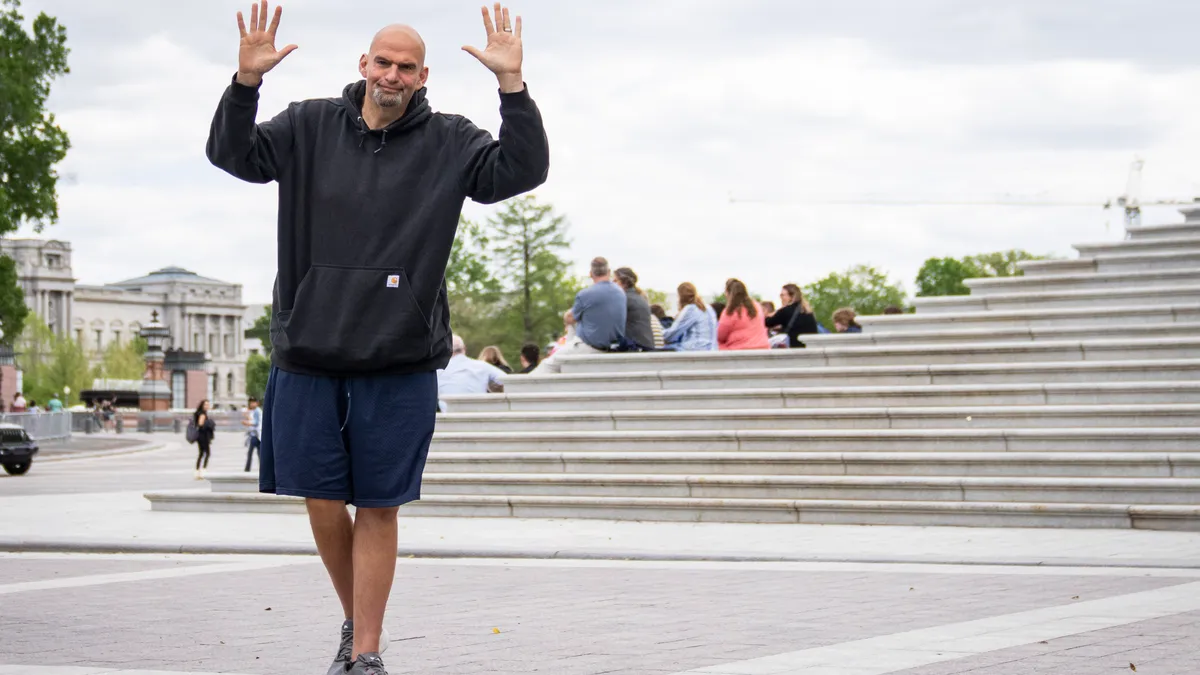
(204, 315)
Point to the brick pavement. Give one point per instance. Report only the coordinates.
(565, 619)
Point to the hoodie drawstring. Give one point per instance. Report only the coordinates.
(382, 143)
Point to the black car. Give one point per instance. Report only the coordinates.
(16, 449)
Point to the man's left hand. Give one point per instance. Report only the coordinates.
(502, 55)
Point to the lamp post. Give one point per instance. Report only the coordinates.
(155, 394)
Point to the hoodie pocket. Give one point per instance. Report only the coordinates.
(354, 319)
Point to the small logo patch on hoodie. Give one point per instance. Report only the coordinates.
(393, 281)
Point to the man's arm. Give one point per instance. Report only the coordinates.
(493, 170)
(254, 153)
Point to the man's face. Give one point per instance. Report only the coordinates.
(394, 70)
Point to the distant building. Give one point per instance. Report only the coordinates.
(205, 316)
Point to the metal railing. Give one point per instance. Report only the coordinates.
(41, 426)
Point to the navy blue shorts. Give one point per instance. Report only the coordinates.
(362, 440)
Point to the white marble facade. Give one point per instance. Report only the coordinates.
(203, 315)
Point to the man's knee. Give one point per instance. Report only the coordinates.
(324, 507)
(383, 514)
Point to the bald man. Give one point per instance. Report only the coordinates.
(371, 184)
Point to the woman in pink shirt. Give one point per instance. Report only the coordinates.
(743, 324)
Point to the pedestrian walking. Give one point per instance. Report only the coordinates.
(253, 421)
(205, 430)
(371, 185)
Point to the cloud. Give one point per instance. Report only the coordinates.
(659, 113)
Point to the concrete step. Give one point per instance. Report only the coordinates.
(964, 336)
(1098, 281)
(1117, 439)
(1126, 318)
(1173, 231)
(1092, 298)
(956, 417)
(835, 397)
(849, 512)
(1131, 348)
(1174, 491)
(1169, 370)
(1125, 262)
(1153, 244)
(1014, 464)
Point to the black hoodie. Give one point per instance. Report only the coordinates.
(367, 218)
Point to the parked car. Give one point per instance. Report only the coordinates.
(16, 449)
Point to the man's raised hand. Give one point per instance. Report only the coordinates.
(502, 55)
(257, 54)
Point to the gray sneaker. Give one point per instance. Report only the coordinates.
(341, 662)
(367, 664)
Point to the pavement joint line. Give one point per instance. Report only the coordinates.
(85, 670)
(150, 446)
(17, 544)
(912, 649)
(147, 575)
(673, 565)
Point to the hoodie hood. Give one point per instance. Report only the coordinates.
(418, 112)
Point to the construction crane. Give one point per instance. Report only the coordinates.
(1130, 202)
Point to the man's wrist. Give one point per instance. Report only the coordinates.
(510, 83)
(248, 79)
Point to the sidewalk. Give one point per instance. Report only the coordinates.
(123, 522)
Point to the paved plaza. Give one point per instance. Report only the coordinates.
(1131, 602)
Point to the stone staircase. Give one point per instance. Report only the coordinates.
(1069, 397)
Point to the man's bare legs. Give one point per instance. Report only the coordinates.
(375, 532)
(333, 530)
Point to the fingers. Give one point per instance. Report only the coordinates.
(241, 25)
(507, 24)
(285, 51)
(474, 52)
(275, 21)
(262, 16)
(487, 21)
(254, 18)
(499, 17)
(517, 30)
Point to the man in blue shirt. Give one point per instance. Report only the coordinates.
(599, 314)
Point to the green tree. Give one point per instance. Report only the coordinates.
(657, 297)
(123, 360)
(946, 276)
(258, 367)
(51, 363)
(13, 311)
(536, 280)
(863, 288)
(30, 142)
(262, 330)
(473, 289)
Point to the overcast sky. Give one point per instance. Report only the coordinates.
(660, 111)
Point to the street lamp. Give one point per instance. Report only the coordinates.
(155, 394)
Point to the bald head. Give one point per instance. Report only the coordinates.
(398, 37)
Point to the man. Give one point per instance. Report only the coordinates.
(253, 420)
(599, 316)
(465, 375)
(371, 185)
(530, 355)
(55, 404)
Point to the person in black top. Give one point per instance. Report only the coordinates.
(530, 355)
(795, 317)
(637, 309)
(207, 428)
(492, 354)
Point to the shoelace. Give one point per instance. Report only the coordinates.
(346, 649)
(373, 667)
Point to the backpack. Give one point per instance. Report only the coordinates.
(193, 432)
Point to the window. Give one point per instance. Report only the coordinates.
(79, 336)
(117, 336)
(212, 386)
(99, 339)
(228, 345)
(178, 389)
(229, 384)
(195, 342)
(53, 261)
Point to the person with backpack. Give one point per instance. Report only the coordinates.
(794, 318)
(200, 431)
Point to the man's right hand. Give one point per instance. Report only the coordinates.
(257, 54)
